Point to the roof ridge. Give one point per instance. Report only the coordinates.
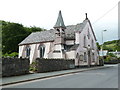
(43, 31)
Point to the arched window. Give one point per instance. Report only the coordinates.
(93, 56)
(28, 51)
(41, 49)
(85, 56)
(84, 41)
(92, 44)
(88, 34)
(58, 32)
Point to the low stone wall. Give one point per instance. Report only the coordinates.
(15, 66)
(48, 65)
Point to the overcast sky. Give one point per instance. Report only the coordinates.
(103, 14)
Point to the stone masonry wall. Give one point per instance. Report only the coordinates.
(48, 65)
(15, 66)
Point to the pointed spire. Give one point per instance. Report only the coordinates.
(60, 22)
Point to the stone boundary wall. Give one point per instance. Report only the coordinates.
(15, 66)
(48, 65)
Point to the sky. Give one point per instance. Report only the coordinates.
(103, 14)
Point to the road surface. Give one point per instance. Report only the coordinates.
(100, 78)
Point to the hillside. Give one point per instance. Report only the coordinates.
(112, 45)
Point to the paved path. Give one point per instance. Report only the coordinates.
(99, 78)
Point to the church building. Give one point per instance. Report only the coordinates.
(66, 42)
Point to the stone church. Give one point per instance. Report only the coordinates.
(66, 42)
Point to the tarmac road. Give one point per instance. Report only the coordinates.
(99, 78)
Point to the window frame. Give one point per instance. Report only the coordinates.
(28, 50)
(88, 34)
(41, 49)
(85, 57)
(84, 41)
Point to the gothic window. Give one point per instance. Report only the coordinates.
(93, 57)
(85, 56)
(63, 32)
(81, 57)
(65, 46)
(84, 41)
(92, 44)
(88, 34)
(28, 51)
(57, 32)
(41, 49)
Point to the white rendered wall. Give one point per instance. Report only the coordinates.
(57, 55)
(21, 51)
(77, 38)
(34, 52)
(81, 49)
(58, 47)
(70, 55)
(69, 42)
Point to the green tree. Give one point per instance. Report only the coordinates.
(98, 46)
(13, 34)
(36, 29)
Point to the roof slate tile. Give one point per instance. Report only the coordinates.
(49, 35)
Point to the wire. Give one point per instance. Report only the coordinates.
(105, 13)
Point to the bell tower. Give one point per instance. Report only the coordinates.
(59, 37)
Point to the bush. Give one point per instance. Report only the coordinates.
(108, 58)
(33, 67)
(111, 54)
(119, 58)
(13, 54)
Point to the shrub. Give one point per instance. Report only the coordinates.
(33, 67)
(111, 54)
(13, 54)
(108, 58)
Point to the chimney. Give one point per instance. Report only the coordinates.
(86, 16)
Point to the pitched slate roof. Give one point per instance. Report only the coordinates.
(60, 22)
(49, 35)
